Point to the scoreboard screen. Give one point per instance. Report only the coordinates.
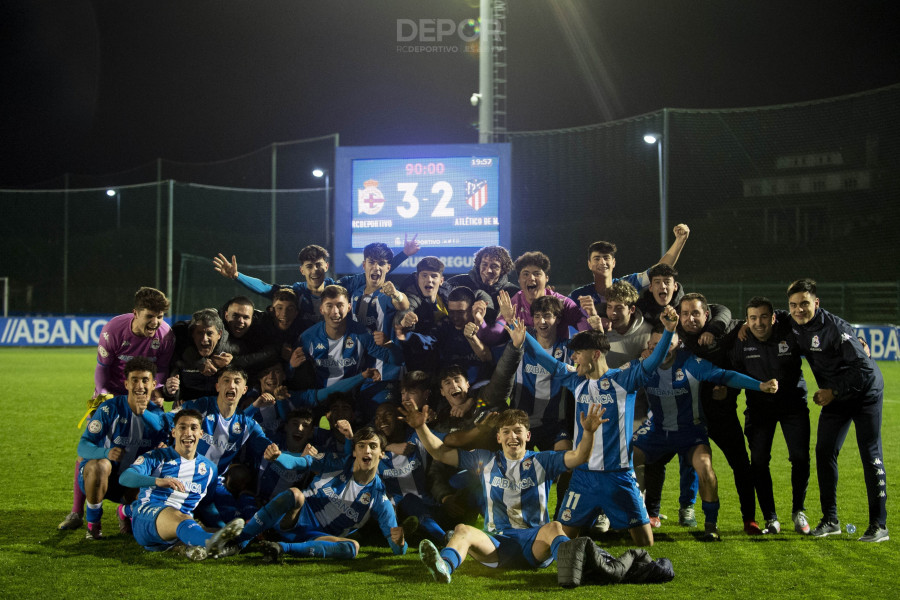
(455, 198)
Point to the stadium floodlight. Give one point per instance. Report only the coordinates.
(118, 197)
(656, 138)
(319, 173)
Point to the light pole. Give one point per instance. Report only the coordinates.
(319, 173)
(656, 138)
(115, 193)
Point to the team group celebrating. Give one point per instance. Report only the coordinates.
(450, 399)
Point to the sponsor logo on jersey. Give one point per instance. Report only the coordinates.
(536, 370)
(679, 375)
(202, 469)
(104, 409)
(194, 487)
(601, 399)
(508, 484)
(320, 347)
(342, 505)
(95, 427)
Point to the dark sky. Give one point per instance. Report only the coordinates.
(98, 87)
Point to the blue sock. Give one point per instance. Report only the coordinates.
(190, 532)
(268, 516)
(554, 545)
(321, 549)
(93, 512)
(452, 558)
(127, 511)
(711, 511)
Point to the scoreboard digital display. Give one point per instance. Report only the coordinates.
(455, 198)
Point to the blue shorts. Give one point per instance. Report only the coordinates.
(655, 444)
(143, 526)
(115, 492)
(514, 549)
(616, 492)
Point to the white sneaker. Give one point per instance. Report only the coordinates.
(772, 526)
(801, 522)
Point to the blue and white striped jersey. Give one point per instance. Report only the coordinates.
(640, 281)
(403, 474)
(615, 390)
(114, 425)
(197, 475)
(515, 491)
(537, 391)
(338, 505)
(346, 356)
(674, 393)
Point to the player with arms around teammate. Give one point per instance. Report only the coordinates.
(851, 389)
(172, 482)
(340, 500)
(516, 482)
(607, 480)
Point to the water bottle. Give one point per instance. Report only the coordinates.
(851, 528)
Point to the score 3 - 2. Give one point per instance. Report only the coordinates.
(409, 198)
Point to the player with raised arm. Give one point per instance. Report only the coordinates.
(173, 481)
(518, 532)
(602, 261)
(677, 424)
(607, 480)
(341, 499)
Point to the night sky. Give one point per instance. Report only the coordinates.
(98, 87)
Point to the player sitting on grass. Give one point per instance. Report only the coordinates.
(340, 500)
(518, 532)
(172, 482)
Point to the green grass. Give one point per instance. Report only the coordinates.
(43, 394)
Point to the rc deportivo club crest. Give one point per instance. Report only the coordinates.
(815, 341)
(679, 375)
(371, 200)
(365, 498)
(782, 347)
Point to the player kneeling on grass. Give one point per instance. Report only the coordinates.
(340, 500)
(172, 482)
(518, 532)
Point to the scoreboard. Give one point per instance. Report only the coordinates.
(455, 198)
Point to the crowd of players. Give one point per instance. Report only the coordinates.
(447, 399)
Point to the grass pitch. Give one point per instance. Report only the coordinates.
(43, 394)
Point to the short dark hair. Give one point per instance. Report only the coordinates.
(241, 301)
(589, 340)
(378, 251)
(312, 253)
(534, 259)
(207, 317)
(334, 291)
(151, 299)
(430, 263)
(233, 370)
(622, 291)
(285, 294)
(367, 433)
(603, 248)
(661, 270)
(803, 285)
(187, 412)
(140, 363)
(498, 253)
(416, 380)
(461, 294)
(692, 297)
(452, 371)
(335, 397)
(299, 413)
(759, 301)
(550, 304)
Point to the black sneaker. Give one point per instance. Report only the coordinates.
(875, 533)
(570, 561)
(825, 528)
(271, 551)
